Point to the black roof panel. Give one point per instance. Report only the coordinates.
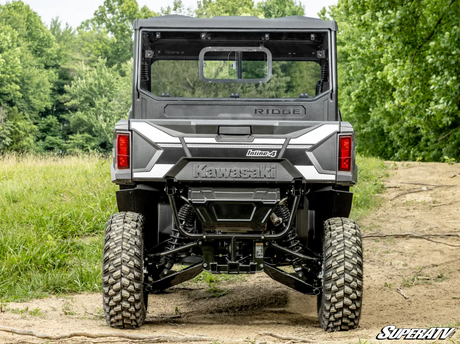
(227, 22)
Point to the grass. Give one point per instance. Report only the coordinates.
(371, 172)
(36, 312)
(213, 282)
(67, 309)
(52, 215)
(53, 211)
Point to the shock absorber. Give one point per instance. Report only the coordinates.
(282, 212)
(290, 241)
(187, 218)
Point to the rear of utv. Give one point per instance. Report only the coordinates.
(234, 160)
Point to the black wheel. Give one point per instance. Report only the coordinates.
(339, 305)
(123, 271)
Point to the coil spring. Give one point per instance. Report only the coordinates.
(187, 219)
(283, 212)
(290, 241)
(187, 216)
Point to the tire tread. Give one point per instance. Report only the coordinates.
(122, 271)
(339, 306)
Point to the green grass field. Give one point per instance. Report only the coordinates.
(371, 172)
(52, 217)
(52, 213)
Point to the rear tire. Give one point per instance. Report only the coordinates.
(123, 271)
(339, 304)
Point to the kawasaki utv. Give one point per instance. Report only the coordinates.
(234, 160)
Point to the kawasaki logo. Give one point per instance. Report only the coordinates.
(260, 153)
(262, 171)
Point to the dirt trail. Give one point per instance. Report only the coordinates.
(428, 273)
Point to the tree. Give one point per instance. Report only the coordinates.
(99, 97)
(34, 51)
(264, 9)
(399, 83)
(211, 8)
(33, 33)
(112, 23)
(28, 59)
(177, 8)
(10, 65)
(280, 8)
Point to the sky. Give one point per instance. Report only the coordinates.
(74, 12)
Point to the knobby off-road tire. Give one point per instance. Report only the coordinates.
(123, 276)
(339, 305)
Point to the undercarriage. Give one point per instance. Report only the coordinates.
(234, 228)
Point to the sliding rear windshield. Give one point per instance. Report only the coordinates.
(234, 64)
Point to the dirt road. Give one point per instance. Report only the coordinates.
(420, 198)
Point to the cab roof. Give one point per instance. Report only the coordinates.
(227, 22)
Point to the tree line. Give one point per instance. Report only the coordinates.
(399, 76)
(63, 89)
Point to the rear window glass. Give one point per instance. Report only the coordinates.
(181, 78)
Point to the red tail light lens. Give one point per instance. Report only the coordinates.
(345, 153)
(122, 151)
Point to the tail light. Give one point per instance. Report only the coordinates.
(345, 153)
(122, 151)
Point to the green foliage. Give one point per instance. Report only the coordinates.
(211, 8)
(214, 282)
(176, 8)
(100, 97)
(399, 76)
(36, 312)
(448, 160)
(10, 64)
(52, 214)
(28, 57)
(113, 22)
(21, 133)
(5, 136)
(280, 8)
(51, 133)
(263, 9)
(371, 172)
(31, 52)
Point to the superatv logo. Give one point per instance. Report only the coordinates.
(433, 333)
(259, 172)
(260, 153)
